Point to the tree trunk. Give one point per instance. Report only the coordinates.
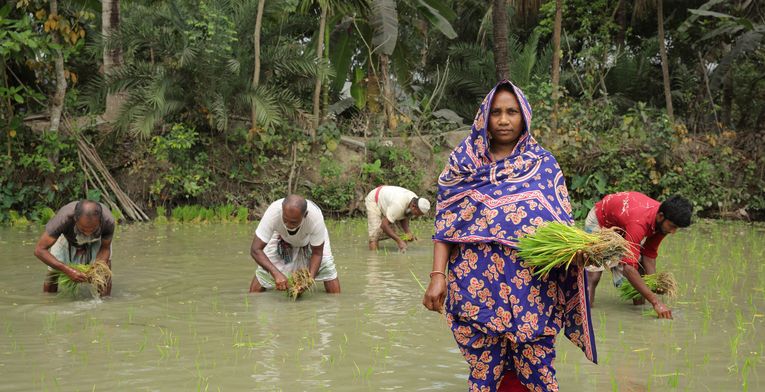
(621, 20)
(499, 22)
(325, 84)
(110, 22)
(319, 58)
(664, 61)
(6, 112)
(727, 99)
(57, 103)
(556, 61)
(256, 72)
(388, 96)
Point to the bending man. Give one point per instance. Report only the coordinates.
(644, 222)
(388, 206)
(292, 235)
(80, 233)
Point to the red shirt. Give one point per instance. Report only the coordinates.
(635, 213)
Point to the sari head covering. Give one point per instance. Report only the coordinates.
(482, 201)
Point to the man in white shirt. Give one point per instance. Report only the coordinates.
(392, 205)
(292, 235)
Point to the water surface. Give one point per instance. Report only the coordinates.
(180, 319)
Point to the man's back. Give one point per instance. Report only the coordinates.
(393, 202)
(635, 213)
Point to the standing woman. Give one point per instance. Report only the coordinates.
(500, 184)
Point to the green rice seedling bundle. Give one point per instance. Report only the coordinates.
(406, 237)
(299, 282)
(555, 245)
(660, 283)
(98, 275)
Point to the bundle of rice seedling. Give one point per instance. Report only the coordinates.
(660, 283)
(555, 245)
(299, 282)
(406, 237)
(98, 276)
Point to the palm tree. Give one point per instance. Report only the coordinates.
(256, 56)
(664, 61)
(319, 58)
(112, 55)
(499, 23)
(556, 61)
(178, 69)
(57, 103)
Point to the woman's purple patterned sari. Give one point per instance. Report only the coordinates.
(484, 206)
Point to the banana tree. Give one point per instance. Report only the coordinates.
(368, 49)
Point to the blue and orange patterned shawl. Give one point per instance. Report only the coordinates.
(481, 201)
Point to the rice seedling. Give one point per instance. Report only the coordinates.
(406, 237)
(242, 213)
(299, 282)
(223, 213)
(98, 276)
(161, 215)
(660, 283)
(556, 244)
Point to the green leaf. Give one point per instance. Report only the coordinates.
(709, 13)
(437, 19)
(726, 29)
(341, 55)
(600, 184)
(5, 10)
(18, 98)
(384, 18)
(358, 88)
(442, 8)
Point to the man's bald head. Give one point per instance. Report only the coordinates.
(296, 202)
(294, 209)
(87, 216)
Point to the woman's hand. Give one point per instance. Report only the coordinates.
(435, 294)
(580, 259)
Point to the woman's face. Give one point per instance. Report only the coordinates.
(505, 119)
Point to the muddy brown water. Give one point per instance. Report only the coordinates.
(180, 319)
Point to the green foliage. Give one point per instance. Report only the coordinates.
(187, 175)
(335, 192)
(39, 171)
(397, 167)
(602, 152)
(188, 90)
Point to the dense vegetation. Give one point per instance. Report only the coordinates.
(216, 103)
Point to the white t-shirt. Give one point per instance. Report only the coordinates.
(393, 201)
(312, 230)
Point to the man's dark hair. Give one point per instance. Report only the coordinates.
(88, 209)
(678, 210)
(296, 201)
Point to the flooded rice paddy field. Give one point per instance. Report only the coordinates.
(180, 319)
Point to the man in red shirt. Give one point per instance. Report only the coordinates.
(644, 222)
